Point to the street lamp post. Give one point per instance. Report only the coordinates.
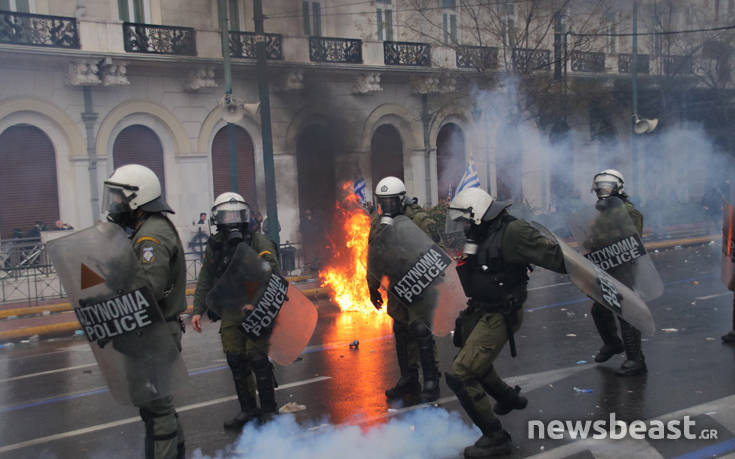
(224, 36)
(634, 73)
(265, 124)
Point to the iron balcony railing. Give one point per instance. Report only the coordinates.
(678, 65)
(477, 57)
(38, 30)
(242, 45)
(588, 62)
(625, 63)
(159, 39)
(406, 53)
(529, 60)
(339, 50)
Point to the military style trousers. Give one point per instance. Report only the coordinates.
(473, 376)
(605, 323)
(407, 346)
(252, 369)
(164, 436)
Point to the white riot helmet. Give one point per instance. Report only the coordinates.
(132, 187)
(230, 209)
(475, 205)
(391, 194)
(608, 183)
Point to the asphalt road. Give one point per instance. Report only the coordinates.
(54, 401)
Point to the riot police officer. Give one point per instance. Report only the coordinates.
(609, 184)
(493, 269)
(132, 198)
(245, 356)
(415, 345)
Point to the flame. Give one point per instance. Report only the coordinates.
(346, 273)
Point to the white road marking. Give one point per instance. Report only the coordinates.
(716, 295)
(549, 286)
(121, 422)
(49, 372)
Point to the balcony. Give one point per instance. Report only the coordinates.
(529, 60)
(678, 65)
(242, 45)
(625, 63)
(337, 50)
(406, 53)
(38, 30)
(159, 39)
(477, 57)
(586, 62)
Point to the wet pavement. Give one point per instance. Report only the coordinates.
(54, 402)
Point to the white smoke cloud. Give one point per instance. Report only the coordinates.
(420, 434)
(677, 164)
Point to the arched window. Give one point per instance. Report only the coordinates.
(28, 186)
(245, 164)
(138, 144)
(386, 153)
(450, 159)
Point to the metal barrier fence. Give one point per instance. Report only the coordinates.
(27, 276)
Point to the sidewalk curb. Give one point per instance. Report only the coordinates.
(312, 293)
(67, 327)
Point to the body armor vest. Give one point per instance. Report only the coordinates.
(487, 278)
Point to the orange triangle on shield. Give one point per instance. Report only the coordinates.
(90, 278)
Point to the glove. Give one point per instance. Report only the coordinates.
(376, 298)
(212, 316)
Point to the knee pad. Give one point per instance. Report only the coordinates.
(420, 330)
(236, 361)
(259, 361)
(399, 328)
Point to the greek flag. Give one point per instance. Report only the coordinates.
(359, 188)
(470, 179)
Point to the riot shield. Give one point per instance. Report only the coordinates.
(265, 304)
(133, 344)
(419, 273)
(728, 253)
(603, 288)
(607, 236)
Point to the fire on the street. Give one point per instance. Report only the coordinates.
(345, 273)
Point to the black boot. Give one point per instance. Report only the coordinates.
(496, 444)
(729, 338)
(428, 361)
(510, 400)
(635, 363)
(605, 323)
(494, 441)
(408, 384)
(266, 387)
(248, 407)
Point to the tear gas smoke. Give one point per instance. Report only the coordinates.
(421, 434)
(549, 175)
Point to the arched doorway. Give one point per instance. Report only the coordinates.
(28, 186)
(245, 164)
(138, 144)
(316, 187)
(386, 151)
(450, 159)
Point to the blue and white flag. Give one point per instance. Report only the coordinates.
(359, 188)
(470, 179)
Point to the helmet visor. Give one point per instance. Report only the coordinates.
(231, 217)
(114, 200)
(605, 189)
(390, 206)
(455, 222)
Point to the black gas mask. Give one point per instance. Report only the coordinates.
(234, 234)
